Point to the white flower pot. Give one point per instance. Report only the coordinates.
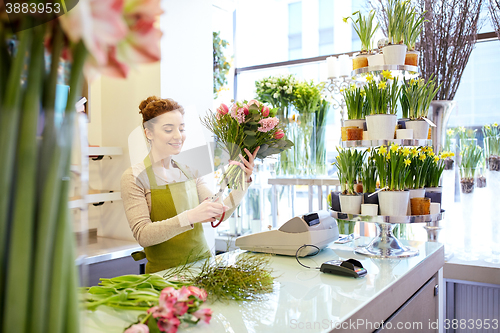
(404, 134)
(438, 189)
(393, 203)
(394, 54)
(420, 128)
(350, 204)
(414, 193)
(381, 126)
(376, 60)
(369, 209)
(359, 123)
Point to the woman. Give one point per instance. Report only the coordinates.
(164, 201)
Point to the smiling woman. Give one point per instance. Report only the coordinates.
(165, 202)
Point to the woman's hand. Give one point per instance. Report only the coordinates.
(247, 166)
(206, 212)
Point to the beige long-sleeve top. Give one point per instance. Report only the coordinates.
(136, 196)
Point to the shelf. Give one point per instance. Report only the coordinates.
(377, 143)
(388, 219)
(96, 199)
(97, 153)
(379, 68)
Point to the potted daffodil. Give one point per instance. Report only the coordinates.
(397, 14)
(349, 162)
(364, 27)
(411, 33)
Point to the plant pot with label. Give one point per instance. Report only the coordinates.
(381, 126)
(420, 128)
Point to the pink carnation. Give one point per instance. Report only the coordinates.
(279, 134)
(267, 124)
(265, 111)
(137, 328)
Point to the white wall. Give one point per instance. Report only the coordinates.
(184, 74)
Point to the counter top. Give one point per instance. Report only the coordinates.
(106, 249)
(307, 298)
(475, 271)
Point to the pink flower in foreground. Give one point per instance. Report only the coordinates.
(245, 110)
(168, 325)
(265, 111)
(223, 109)
(267, 124)
(234, 107)
(203, 315)
(279, 134)
(252, 102)
(238, 115)
(201, 294)
(168, 297)
(137, 328)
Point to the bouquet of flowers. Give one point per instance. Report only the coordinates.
(279, 91)
(247, 124)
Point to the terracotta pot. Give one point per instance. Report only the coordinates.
(343, 132)
(420, 206)
(414, 193)
(354, 134)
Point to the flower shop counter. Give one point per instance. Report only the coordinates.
(396, 290)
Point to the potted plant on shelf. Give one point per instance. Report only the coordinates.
(355, 100)
(369, 179)
(349, 162)
(412, 31)
(393, 170)
(420, 160)
(381, 120)
(471, 155)
(397, 14)
(365, 29)
(416, 99)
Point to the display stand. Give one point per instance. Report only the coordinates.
(377, 143)
(385, 244)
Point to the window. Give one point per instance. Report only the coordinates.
(294, 30)
(325, 30)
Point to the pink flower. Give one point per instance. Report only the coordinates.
(203, 315)
(234, 107)
(180, 308)
(238, 115)
(253, 101)
(201, 294)
(245, 110)
(267, 124)
(265, 111)
(168, 325)
(223, 109)
(137, 328)
(279, 134)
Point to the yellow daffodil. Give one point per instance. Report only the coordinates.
(422, 157)
(495, 125)
(414, 153)
(342, 90)
(461, 129)
(345, 19)
(382, 85)
(406, 151)
(413, 81)
(382, 150)
(450, 132)
(431, 154)
(388, 157)
(450, 154)
(369, 78)
(436, 158)
(407, 161)
(487, 127)
(363, 93)
(394, 148)
(387, 74)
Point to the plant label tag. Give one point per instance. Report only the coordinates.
(429, 122)
(379, 190)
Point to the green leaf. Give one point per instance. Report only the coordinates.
(250, 141)
(251, 133)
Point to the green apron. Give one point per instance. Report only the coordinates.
(174, 251)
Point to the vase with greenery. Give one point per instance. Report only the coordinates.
(349, 163)
(449, 146)
(38, 277)
(321, 117)
(470, 158)
(492, 146)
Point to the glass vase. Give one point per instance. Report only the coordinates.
(287, 162)
(305, 144)
(469, 249)
(492, 152)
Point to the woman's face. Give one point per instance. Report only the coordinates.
(168, 135)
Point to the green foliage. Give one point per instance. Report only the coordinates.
(416, 97)
(349, 163)
(221, 65)
(377, 96)
(355, 101)
(471, 156)
(369, 174)
(392, 167)
(364, 28)
(307, 96)
(413, 28)
(492, 139)
(398, 13)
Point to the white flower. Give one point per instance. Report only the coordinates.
(280, 87)
(285, 88)
(273, 86)
(274, 80)
(262, 84)
(289, 91)
(268, 84)
(276, 95)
